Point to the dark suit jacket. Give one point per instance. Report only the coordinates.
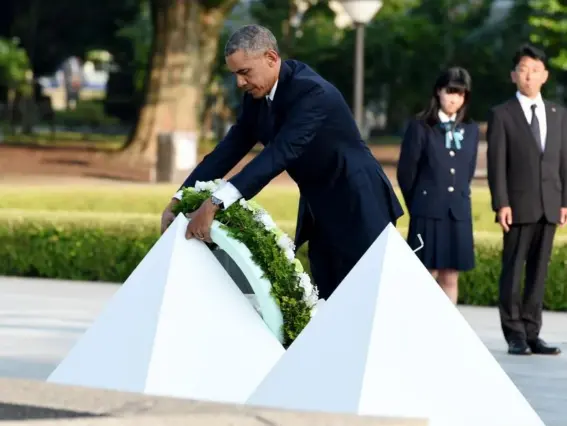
(313, 136)
(435, 181)
(533, 183)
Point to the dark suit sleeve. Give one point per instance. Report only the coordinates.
(410, 155)
(301, 125)
(475, 155)
(563, 164)
(496, 157)
(234, 146)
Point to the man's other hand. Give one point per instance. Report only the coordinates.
(167, 217)
(201, 221)
(505, 218)
(563, 216)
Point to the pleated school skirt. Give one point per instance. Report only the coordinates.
(447, 243)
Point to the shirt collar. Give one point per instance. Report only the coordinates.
(272, 92)
(444, 117)
(527, 102)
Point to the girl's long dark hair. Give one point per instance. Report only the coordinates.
(453, 80)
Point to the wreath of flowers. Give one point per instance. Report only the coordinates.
(272, 250)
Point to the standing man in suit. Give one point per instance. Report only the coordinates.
(308, 130)
(527, 175)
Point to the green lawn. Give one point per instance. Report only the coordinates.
(280, 201)
(147, 201)
(67, 139)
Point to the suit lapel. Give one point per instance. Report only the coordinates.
(553, 123)
(522, 122)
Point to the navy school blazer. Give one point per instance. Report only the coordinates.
(435, 181)
(312, 135)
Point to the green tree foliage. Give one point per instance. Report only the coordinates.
(53, 31)
(139, 35)
(406, 45)
(14, 64)
(549, 20)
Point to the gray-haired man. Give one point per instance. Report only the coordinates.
(307, 129)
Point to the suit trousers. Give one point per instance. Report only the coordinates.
(529, 245)
(328, 267)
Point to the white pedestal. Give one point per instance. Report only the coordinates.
(179, 327)
(389, 342)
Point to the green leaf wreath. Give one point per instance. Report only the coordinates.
(272, 250)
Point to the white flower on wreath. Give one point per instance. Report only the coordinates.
(244, 204)
(305, 284)
(211, 185)
(311, 295)
(265, 220)
(286, 244)
(250, 205)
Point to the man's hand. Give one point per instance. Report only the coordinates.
(201, 221)
(563, 216)
(505, 218)
(167, 217)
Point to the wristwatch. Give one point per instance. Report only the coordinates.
(217, 202)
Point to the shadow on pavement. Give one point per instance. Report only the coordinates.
(28, 412)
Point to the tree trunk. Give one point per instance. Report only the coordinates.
(185, 42)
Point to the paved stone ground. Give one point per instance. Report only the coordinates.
(41, 319)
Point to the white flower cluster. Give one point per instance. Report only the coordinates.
(284, 242)
(210, 186)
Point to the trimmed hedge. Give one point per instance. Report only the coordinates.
(74, 246)
(98, 247)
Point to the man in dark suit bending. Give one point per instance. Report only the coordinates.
(307, 129)
(527, 175)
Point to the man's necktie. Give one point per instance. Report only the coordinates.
(269, 123)
(535, 125)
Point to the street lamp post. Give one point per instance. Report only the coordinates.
(361, 12)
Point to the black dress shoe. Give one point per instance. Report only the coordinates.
(518, 347)
(539, 347)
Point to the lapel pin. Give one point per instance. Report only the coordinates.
(553, 109)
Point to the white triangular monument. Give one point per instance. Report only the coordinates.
(179, 326)
(389, 342)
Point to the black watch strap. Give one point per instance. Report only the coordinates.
(217, 202)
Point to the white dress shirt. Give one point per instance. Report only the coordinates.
(228, 193)
(445, 118)
(526, 104)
